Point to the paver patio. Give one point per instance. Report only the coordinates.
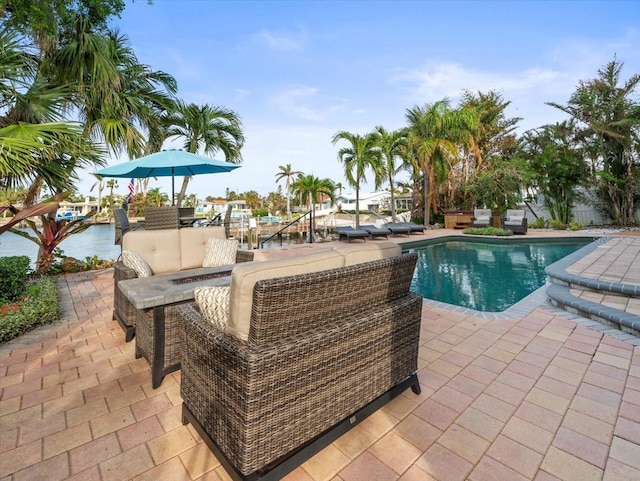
(539, 397)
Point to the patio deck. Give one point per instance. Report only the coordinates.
(541, 396)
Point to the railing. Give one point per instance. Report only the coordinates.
(279, 233)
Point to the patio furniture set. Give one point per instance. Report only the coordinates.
(279, 358)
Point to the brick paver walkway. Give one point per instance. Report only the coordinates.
(535, 398)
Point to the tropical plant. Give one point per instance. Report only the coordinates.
(360, 155)
(53, 231)
(607, 120)
(286, 172)
(155, 198)
(37, 148)
(558, 165)
(311, 190)
(393, 146)
(436, 135)
(208, 129)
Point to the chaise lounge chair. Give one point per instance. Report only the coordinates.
(515, 221)
(376, 231)
(347, 233)
(413, 226)
(481, 218)
(398, 228)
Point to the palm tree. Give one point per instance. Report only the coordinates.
(393, 146)
(286, 172)
(155, 198)
(310, 189)
(117, 97)
(436, 131)
(207, 128)
(360, 155)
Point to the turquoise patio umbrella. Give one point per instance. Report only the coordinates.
(167, 163)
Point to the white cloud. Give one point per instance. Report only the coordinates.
(300, 103)
(283, 41)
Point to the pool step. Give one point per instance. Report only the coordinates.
(611, 303)
(562, 296)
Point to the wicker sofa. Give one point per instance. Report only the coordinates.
(165, 250)
(323, 341)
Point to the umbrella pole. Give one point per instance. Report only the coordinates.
(173, 189)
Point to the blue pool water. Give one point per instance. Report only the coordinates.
(486, 276)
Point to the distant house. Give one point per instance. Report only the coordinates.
(375, 201)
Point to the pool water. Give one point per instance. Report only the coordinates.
(484, 276)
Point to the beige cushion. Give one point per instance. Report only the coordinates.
(135, 261)
(514, 216)
(193, 244)
(213, 303)
(159, 248)
(244, 277)
(220, 252)
(371, 251)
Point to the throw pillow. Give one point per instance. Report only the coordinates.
(213, 303)
(135, 261)
(220, 252)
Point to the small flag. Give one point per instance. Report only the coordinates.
(132, 190)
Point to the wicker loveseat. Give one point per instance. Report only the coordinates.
(165, 250)
(324, 349)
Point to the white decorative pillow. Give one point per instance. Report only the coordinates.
(213, 303)
(135, 261)
(220, 252)
(515, 218)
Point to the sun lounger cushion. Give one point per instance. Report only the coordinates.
(213, 303)
(135, 261)
(356, 254)
(244, 277)
(220, 252)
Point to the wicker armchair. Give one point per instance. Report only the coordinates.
(161, 218)
(515, 221)
(482, 218)
(325, 350)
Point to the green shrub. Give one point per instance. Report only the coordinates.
(557, 224)
(539, 223)
(14, 271)
(487, 231)
(575, 226)
(41, 306)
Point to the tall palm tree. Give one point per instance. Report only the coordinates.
(393, 146)
(207, 128)
(287, 172)
(310, 189)
(436, 134)
(116, 97)
(360, 155)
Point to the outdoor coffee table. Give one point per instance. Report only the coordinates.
(157, 328)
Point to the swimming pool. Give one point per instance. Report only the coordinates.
(488, 276)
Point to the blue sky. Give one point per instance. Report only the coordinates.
(299, 71)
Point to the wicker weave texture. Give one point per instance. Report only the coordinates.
(123, 309)
(161, 218)
(260, 400)
(147, 341)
